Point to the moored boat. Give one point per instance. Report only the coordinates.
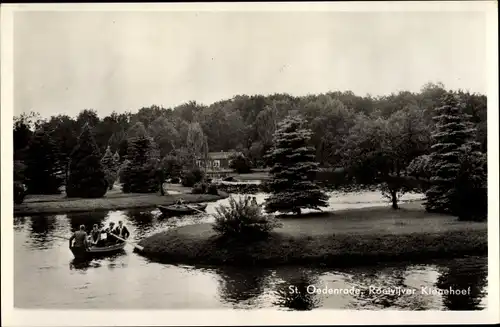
(182, 209)
(97, 251)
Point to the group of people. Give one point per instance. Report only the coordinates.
(113, 235)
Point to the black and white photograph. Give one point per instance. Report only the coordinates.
(245, 158)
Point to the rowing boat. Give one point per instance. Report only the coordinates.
(181, 209)
(97, 251)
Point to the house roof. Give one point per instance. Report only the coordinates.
(221, 155)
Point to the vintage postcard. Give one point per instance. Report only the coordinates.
(249, 163)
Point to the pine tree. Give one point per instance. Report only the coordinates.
(452, 140)
(293, 171)
(86, 174)
(43, 173)
(110, 165)
(140, 174)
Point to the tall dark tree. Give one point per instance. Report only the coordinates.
(24, 124)
(86, 174)
(43, 171)
(140, 174)
(293, 185)
(452, 135)
(110, 164)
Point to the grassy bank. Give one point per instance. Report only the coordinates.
(114, 200)
(331, 239)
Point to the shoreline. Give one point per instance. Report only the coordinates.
(340, 238)
(58, 204)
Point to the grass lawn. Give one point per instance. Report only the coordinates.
(339, 238)
(113, 200)
(255, 175)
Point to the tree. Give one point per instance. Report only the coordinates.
(172, 166)
(43, 171)
(87, 117)
(24, 124)
(65, 135)
(379, 149)
(140, 174)
(240, 163)
(163, 131)
(110, 165)
(450, 142)
(86, 178)
(293, 185)
(195, 142)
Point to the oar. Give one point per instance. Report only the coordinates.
(137, 246)
(64, 237)
(196, 209)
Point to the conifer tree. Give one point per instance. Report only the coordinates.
(42, 164)
(139, 175)
(110, 165)
(86, 174)
(293, 171)
(453, 139)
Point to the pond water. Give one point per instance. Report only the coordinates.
(46, 276)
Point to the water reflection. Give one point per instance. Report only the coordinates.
(142, 220)
(40, 231)
(469, 275)
(87, 218)
(238, 285)
(295, 292)
(82, 264)
(43, 279)
(380, 287)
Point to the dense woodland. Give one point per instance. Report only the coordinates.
(368, 136)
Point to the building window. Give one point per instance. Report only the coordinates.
(198, 163)
(216, 163)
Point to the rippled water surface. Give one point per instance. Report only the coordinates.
(46, 276)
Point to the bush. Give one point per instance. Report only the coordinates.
(175, 180)
(19, 193)
(212, 189)
(190, 178)
(199, 188)
(243, 219)
(240, 164)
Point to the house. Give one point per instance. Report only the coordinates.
(216, 160)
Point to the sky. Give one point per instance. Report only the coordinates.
(121, 61)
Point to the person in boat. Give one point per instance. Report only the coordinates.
(180, 202)
(110, 230)
(121, 231)
(78, 240)
(95, 236)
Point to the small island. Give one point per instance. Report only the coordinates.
(346, 237)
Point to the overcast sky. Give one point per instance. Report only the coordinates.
(67, 61)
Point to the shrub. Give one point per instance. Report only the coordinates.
(212, 189)
(240, 164)
(191, 177)
(19, 192)
(199, 188)
(175, 180)
(19, 169)
(243, 219)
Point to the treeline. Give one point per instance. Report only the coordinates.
(369, 136)
(245, 123)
